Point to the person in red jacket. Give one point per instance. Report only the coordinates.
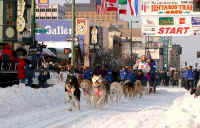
(8, 51)
(21, 70)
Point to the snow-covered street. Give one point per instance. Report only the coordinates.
(46, 108)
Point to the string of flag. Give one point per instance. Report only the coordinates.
(120, 6)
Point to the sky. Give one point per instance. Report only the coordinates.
(190, 44)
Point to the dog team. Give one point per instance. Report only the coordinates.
(97, 92)
(98, 88)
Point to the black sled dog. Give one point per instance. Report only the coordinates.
(73, 91)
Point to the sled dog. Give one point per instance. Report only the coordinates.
(73, 91)
(116, 92)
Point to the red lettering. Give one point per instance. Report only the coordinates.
(179, 30)
(167, 30)
(167, 12)
(173, 31)
(161, 30)
(186, 29)
(184, 7)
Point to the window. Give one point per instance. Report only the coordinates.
(196, 5)
(9, 12)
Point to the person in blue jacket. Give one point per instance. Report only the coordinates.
(131, 76)
(190, 78)
(140, 76)
(87, 73)
(109, 77)
(30, 73)
(123, 74)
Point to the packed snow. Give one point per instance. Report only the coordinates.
(25, 107)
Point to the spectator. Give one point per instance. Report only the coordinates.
(140, 76)
(123, 74)
(8, 51)
(87, 73)
(7, 58)
(30, 73)
(21, 69)
(42, 78)
(131, 76)
(190, 78)
(196, 77)
(109, 76)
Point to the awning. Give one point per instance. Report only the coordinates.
(53, 44)
(46, 51)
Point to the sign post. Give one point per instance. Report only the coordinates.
(33, 22)
(73, 35)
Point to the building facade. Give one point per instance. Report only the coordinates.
(139, 49)
(175, 52)
(53, 11)
(8, 16)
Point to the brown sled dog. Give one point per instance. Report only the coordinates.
(131, 90)
(139, 89)
(95, 91)
(100, 94)
(128, 89)
(85, 85)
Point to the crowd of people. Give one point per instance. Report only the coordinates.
(26, 66)
(144, 70)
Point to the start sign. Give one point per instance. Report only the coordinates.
(174, 31)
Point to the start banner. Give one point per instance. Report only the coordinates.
(167, 26)
(166, 7)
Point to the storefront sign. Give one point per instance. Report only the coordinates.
(43, 3)
(167, 26)
(149, 21)
(166, 21)
(81, 26)
(166, 7)
(172, 9)
(56, 30)
(195, 21)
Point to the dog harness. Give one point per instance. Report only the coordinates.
(69, 91)
(98, 92)
(86, 92)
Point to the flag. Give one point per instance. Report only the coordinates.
(136, 8)
(122, 6)
(131, 7)
(98, 2)
(143, 7)
(111, 5)
(100, 6)
(148, 55)
(122, 2)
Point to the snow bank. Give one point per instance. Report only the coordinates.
(45, 108)
(184, 113)
(15, 100)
